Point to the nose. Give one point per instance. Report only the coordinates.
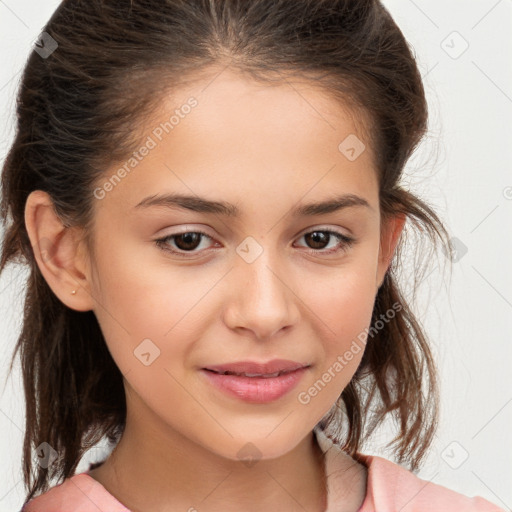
(262, 301)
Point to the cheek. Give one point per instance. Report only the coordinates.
(344, 302)
(344, 309)
(129, 307)
(150, 313)
(151, 319)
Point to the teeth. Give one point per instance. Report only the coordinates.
(260, 375)
(276, 374)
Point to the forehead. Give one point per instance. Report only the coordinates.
(289, 110)
(227, 135)
(227, 98)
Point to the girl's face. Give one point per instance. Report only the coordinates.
(269, 277)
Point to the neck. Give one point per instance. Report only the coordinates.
(149, 473)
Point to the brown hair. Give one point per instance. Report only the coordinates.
(75, 110)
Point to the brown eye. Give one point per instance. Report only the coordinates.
(317, 240)
(186, 242)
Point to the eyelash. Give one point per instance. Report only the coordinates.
(346, 240)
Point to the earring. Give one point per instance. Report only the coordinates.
(73, 292)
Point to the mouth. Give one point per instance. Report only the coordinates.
(246, 374)
(270, 369)
(256, 382)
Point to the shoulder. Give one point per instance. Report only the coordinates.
(393, 487)
(80, 493)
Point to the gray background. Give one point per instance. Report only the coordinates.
(463, 169)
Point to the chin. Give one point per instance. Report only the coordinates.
(250, 448)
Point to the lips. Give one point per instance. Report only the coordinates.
(269, 369)
(256, 383)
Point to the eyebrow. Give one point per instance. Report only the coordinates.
(203, 205)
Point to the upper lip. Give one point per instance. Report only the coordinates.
(251, 367)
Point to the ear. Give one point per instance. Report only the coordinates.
(57, 250)
(390, 234)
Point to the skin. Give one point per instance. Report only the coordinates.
(265, 149)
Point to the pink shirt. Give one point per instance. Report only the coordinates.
(390, 488)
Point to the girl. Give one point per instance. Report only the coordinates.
(207, 193)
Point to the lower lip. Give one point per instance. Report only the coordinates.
(256, 389)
